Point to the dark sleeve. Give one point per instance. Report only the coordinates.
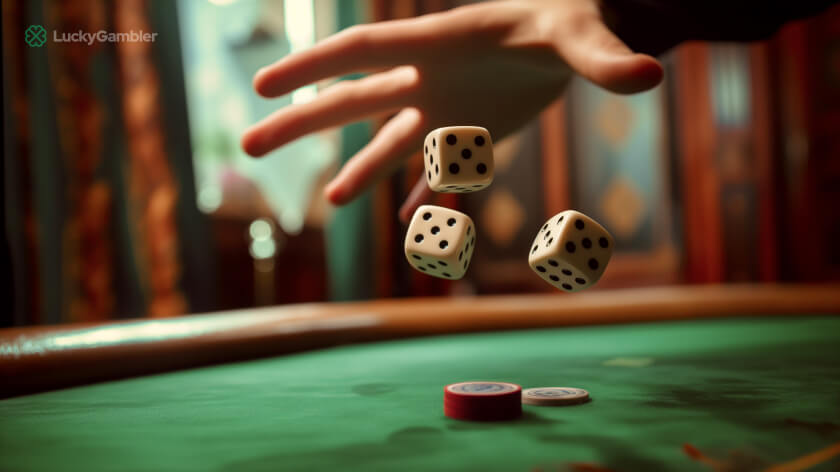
(654, 26)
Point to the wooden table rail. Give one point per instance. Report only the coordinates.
(35, 359)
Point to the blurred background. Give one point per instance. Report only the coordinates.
(126, 194)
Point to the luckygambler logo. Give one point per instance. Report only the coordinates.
(36, 36)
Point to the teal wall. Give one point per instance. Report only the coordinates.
(348, 235)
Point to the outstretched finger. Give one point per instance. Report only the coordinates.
(358, 48)
(342, 103)
(394, 142)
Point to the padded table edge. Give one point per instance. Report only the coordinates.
(36, 359)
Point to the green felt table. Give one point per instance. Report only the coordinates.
(746, 391)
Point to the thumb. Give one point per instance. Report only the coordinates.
(596, 53)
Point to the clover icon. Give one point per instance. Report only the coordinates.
(36, 36)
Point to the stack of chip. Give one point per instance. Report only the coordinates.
(482, 401)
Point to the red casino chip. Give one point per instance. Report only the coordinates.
(482, 401)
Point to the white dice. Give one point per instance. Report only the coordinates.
(571, 251)
(458, 159)
(440, 242)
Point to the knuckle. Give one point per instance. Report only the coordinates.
(359, 38)
(344, 90)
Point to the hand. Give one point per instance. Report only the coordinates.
(493, 64)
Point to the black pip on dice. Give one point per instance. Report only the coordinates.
(458, 159)
(440, 242)
(571, 251)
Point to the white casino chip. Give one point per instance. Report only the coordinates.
(554, 396)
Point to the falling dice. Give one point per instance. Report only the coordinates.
(440, 242)
(459, 159)
(571, 251)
